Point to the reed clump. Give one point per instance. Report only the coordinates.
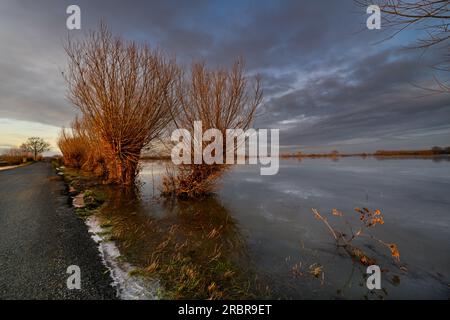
(346, 239)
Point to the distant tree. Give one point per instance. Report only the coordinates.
(15, 156)
(36, 146)
(16, 152)
(437, 150)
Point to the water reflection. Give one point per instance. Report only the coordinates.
(264, 226)
(434, 158)
(274, 215)
(194, 247)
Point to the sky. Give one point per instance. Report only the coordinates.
(329, 82)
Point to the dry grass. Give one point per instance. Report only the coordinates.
(195, 249)
(82, 149)
(346, 239)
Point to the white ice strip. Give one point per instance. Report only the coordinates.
(128, 287)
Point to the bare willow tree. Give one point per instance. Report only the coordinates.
(36, 146)
(432, 17)
(124, 91)
(221, 99)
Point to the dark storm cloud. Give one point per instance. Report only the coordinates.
(291, 33)
(371, 100)
(325, 80)
(32, 34)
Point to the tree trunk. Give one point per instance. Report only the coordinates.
(122, 171)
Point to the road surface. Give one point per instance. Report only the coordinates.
(40, 236)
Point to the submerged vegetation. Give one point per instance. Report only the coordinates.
(346, 239)
(195, 250)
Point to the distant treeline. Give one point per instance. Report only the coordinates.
(380, 153)
(335, 154)
(430, 152)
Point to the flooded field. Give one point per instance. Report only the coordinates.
(259, 238)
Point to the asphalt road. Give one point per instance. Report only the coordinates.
(40, 236)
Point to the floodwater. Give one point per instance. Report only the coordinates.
(283, 241)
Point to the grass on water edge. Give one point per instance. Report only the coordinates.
(195, 256)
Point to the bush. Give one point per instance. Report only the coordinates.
(15, 157)
(220, 99)
(81, 149)
(191, 181)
